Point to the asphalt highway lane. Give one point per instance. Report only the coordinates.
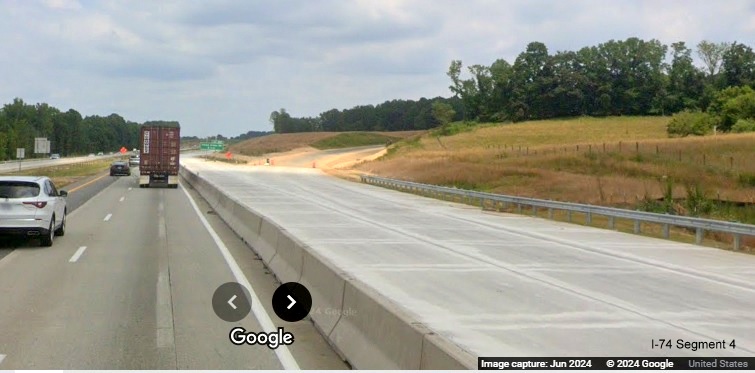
(130, 287)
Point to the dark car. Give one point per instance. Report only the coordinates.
(133, 160)
(120, 168)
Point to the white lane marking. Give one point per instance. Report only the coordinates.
(107, 218)
(129, 188)
(2, 357)
(121, 200)
(282, 352)
(77, 254)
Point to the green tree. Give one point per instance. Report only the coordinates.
(738, 66)
(732, 104)
(711, 54)
(442, 112)
(686, 83)
(688, 123)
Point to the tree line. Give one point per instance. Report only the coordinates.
(618, 77)
(68, 132)
(394, 115)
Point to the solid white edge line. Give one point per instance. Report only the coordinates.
(107, 218)
(77, 254)
(282, 352)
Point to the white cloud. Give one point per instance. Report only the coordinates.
(223, 65)
(63, 4)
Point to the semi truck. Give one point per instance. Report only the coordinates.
(160, 146)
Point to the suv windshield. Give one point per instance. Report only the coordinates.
(18, 189)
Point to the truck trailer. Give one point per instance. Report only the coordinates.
(160, 146)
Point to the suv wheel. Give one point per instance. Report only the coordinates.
(47, 240)
(62, 230)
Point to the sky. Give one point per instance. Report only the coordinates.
(222, 66)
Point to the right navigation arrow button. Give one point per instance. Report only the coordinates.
(292, 302)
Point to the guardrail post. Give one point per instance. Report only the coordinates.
(698, 236)
(636, 226)
(550, 213)
(665, 230)
(737, 241)
(588, 218)
(519, 208)
(568, 215)
(611, 222)
(534, 210)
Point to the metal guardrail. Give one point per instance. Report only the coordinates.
(737, 230)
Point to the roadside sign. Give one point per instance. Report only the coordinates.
(228, 155)
(211, 146)
(20, 153)
(123, 150)
(41, 145)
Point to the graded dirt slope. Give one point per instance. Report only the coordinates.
(279, 143)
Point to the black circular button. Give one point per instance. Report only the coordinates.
(292, 301)
(231, 302)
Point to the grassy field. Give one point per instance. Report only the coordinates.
(64, 175)
(354, 139)
(624, 162)
(277, 143)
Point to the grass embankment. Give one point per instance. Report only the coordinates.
(278, 143)
(354, 139)
(64, 175)
(626, 162)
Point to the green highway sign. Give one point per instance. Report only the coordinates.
(211, 146)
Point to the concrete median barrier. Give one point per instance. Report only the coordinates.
(246, 224)
(378, 334)
(366, 328)
(267, 241)
(287, 262)
(440, 354)
(326, 285)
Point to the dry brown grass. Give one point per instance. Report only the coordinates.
(63, 175)
(278, 143)
(567, 160)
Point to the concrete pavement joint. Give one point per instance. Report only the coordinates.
(164, 303)
(282, 352)
(77, 254)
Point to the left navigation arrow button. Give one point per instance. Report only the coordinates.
(231, 302)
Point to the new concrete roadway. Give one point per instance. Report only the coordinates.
(130, 286)
(508, 285)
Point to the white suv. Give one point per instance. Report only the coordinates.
(31, 206)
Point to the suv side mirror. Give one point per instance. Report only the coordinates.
(63, 193)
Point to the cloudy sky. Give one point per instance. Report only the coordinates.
(221, 66)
